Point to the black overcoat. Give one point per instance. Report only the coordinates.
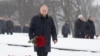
(45, 26)
(65, 29)
(10, 26)
(80, 29)
(90, 28)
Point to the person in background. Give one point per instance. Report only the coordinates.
(25, 28)
(17, 28)
(2, 25)
(10, 26)
(66, 29)
(90, 28)
(42, 26)
(79, 27)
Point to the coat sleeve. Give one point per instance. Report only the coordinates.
(53, 30)
(31, 28)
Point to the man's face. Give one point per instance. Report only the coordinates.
(91, 18)
(82, 18)
(44, 10)
(9, 18)
(1, 18)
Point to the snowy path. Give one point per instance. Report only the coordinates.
(65, 43)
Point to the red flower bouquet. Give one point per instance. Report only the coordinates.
(40, 41)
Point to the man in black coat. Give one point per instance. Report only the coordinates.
(79, 27)
(65, 29)
(10, 26)
(90, 28)
(43, 24)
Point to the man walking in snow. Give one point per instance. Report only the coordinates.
(9, 26)
(66, 29)
(41, 29)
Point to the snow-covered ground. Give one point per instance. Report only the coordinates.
(17, 45)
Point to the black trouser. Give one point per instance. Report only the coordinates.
(1, 31)
(65, 35)
(42, 53)
(10, 32)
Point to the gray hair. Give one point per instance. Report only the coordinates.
(80, 16)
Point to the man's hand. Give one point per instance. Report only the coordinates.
(30, 41)
(55, 41)
(97, 36)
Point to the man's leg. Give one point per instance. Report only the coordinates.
(39, 54)
(65, 35)
(42, 53)
(45, 53)
(92, 37)
(2, 31)
(11, 32)
(7, 32)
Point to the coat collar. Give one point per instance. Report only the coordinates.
(90, 21)
(43, 16)
(80, 20)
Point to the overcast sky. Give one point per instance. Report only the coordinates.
(96, 2)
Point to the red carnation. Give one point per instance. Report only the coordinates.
(40, 41)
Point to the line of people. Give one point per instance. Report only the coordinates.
(21, 29)
(83, 28)
(66, 29)
(8, 26)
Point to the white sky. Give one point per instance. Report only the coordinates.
(96, 2)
